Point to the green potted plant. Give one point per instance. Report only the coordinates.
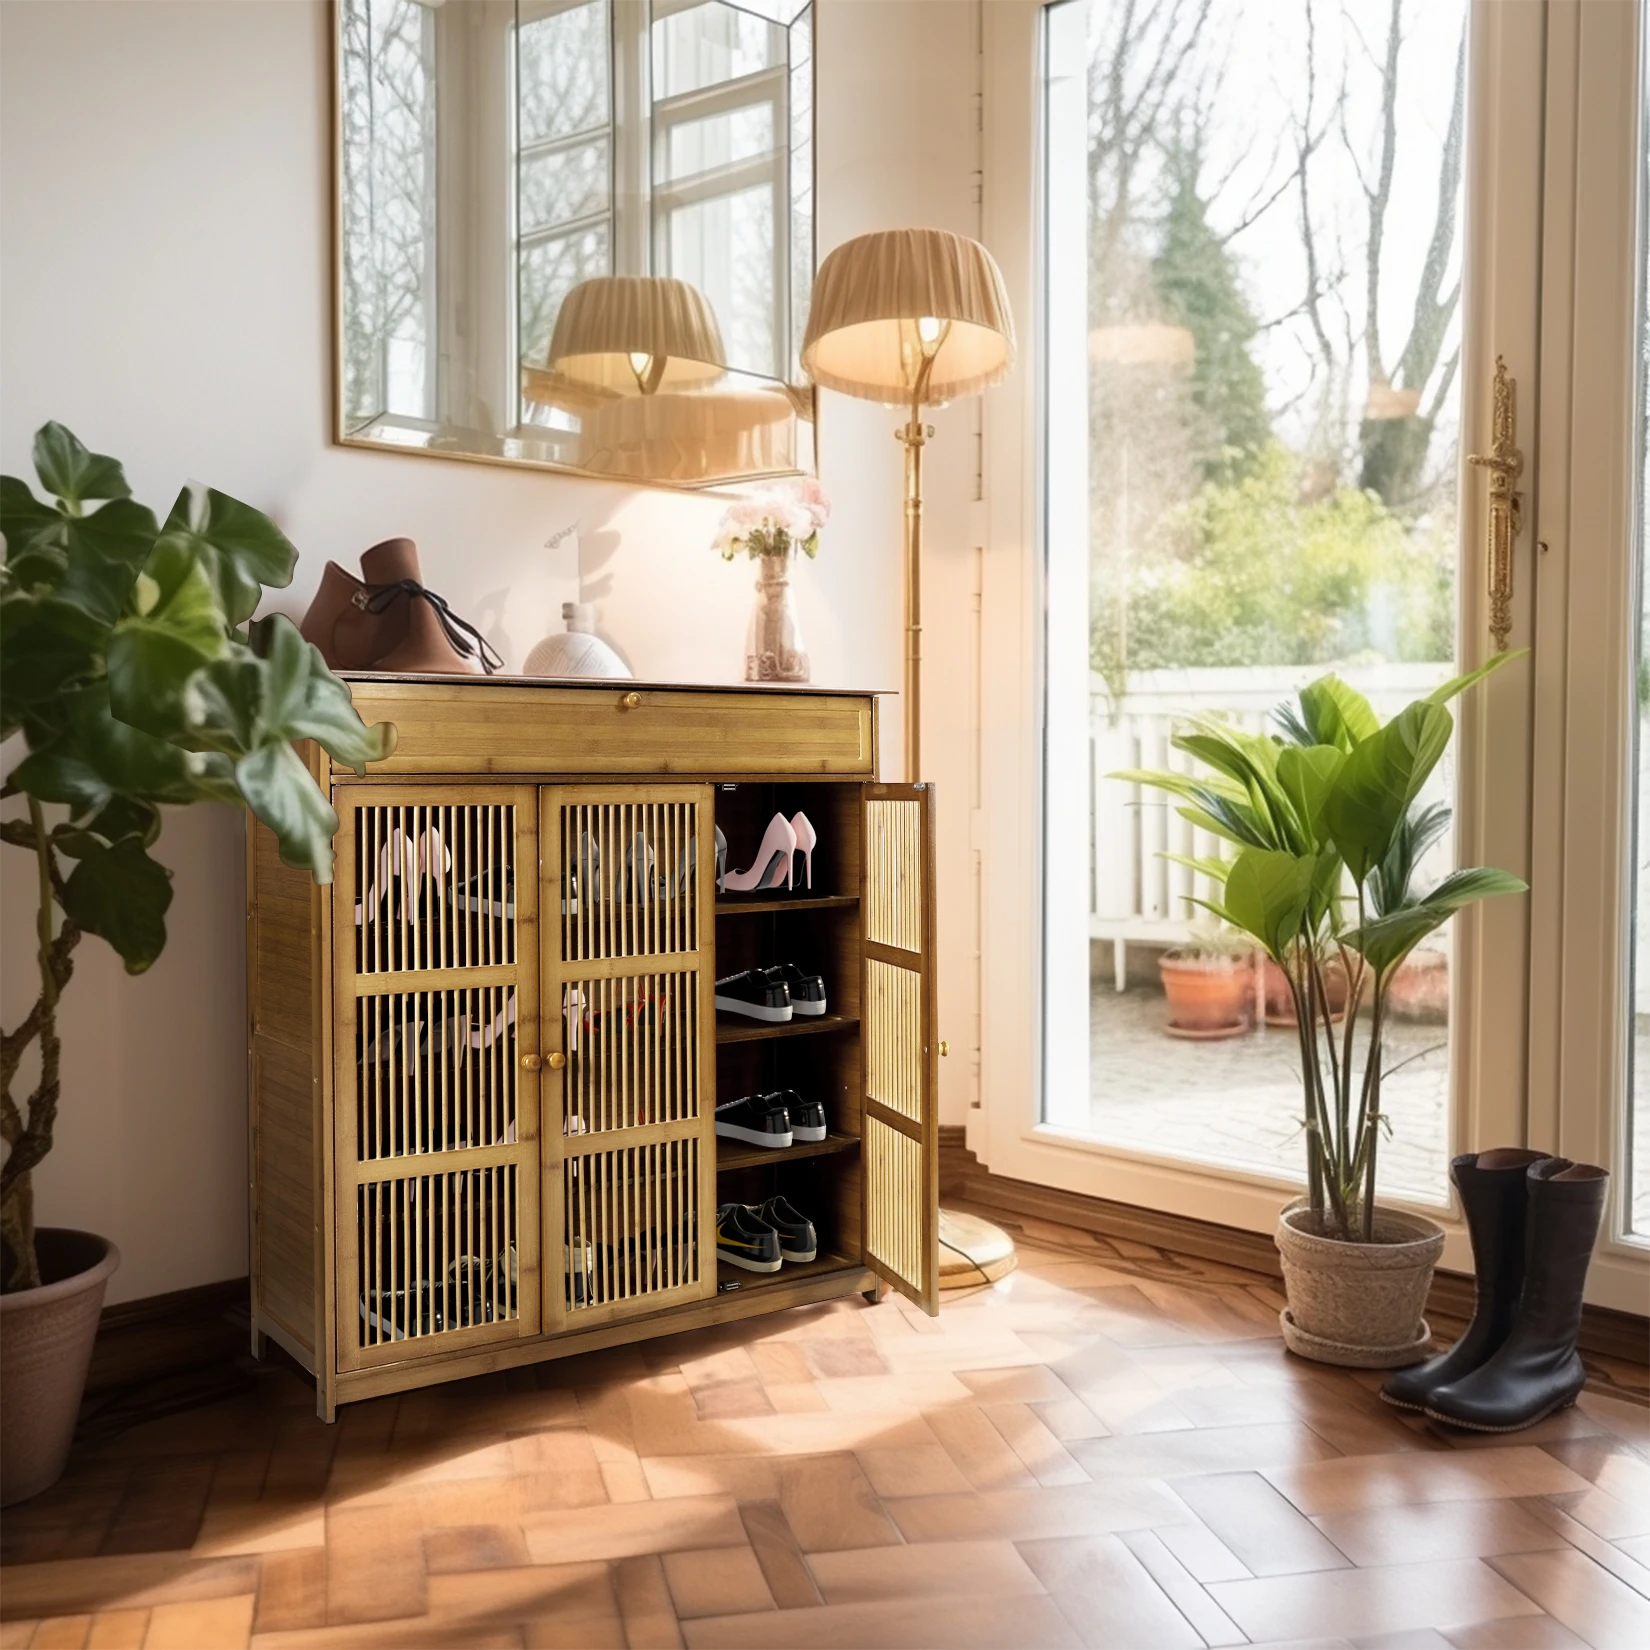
(1209, 982)
(1328, 832)
(1280, 1005)
(135, 676)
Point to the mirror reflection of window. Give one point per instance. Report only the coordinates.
(721, 131)
(564, 177)
(388, 247)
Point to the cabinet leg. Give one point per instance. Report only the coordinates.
(874, 1294)
(260, 1343)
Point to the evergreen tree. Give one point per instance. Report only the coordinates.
(1196, 280)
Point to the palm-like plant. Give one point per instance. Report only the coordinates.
(1329, 832)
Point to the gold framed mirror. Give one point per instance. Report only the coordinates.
(576, 234)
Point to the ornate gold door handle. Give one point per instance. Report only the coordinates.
(1505, 463)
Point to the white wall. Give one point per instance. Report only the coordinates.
(164, 291)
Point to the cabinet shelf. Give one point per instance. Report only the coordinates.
(726, 907)
(790, 1272)
(757, 1030)
(731, 1155)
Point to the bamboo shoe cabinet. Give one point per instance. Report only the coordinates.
(484, 1061)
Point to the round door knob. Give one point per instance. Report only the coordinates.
(945, 1048)
(530, 1062)
(557, 1061)
(631, 701)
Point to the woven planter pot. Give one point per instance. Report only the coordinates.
(1358, 1304)
(46, 1337)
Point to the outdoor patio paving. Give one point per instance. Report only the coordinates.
(1236, 1103)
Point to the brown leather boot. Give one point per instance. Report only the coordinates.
(390, 561)
(338, 622)
(432, 639)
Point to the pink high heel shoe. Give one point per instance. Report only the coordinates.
(772, 864)
(402, 868)
(807, 839)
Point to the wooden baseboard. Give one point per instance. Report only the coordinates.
(161, 1335)
(164, 1353)
(1604, 1332)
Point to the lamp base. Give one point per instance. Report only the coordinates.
(973, 1251)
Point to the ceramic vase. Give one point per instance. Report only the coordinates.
(774, 650)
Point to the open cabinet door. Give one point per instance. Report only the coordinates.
(901, 1126)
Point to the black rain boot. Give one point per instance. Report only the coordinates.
(1538, 1369)
(1493, 1196)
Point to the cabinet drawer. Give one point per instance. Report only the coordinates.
(475, 726)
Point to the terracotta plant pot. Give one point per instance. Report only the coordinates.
(1208, 996)
(1420, 988)
(1280, 1005)
(1358, 1304)
(46, 1337)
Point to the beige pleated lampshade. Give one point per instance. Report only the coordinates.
(605, 321)
(871, 292)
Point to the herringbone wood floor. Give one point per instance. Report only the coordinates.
(1109, 1448)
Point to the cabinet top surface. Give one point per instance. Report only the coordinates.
(618, 684)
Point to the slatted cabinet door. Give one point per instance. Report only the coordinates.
(628, 896)
(901, 1122)
(436, 1050)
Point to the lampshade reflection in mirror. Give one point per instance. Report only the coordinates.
(635, 334)
(689, 438)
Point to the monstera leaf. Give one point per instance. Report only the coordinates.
(127, 663)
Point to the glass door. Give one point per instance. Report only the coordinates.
(1258, 314)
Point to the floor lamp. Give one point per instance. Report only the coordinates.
(911, 318)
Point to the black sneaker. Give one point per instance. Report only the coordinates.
(745, 1241)
(760, 993)
(758, 1120)
(807, 1116)
(807, 990)
(797, 1239)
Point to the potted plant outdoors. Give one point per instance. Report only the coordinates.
(137, 679)
(770, 529)
(1280, 1005)
(1209, 984)
(1329, 832)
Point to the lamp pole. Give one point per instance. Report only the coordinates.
(913, 435)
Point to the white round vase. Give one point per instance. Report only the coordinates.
(577, 651)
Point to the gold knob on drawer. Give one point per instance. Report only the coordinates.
(530, 1062)
(557, 1061)
(631, 701)
(945, 1048)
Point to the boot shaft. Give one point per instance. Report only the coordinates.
(1566, 1208)
(1494, 1198)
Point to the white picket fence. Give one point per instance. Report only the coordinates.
(1135, 892)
